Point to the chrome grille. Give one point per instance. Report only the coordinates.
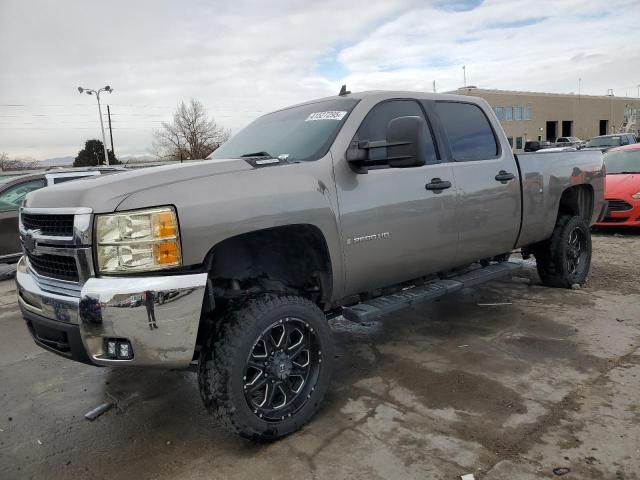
(56, 242)
(50, 225)
(61, 267)
(617, 205)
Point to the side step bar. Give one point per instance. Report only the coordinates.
(370, 310)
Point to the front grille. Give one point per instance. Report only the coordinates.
(61, 267)
(51, 225)
(617, 205)
(615, 219)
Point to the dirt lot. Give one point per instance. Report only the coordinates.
(550, 381)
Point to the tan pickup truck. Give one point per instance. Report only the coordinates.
(358, 204)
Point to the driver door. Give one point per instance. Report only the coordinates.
(393, 228)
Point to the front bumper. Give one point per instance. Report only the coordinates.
(162, 333)
(622, 218)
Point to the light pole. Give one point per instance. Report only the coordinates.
(89, 91)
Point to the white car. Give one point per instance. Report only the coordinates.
(557, 149)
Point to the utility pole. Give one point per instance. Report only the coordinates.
(434, 86)
(579, 86)
(110, 131)
(89, 91)
(464, 73)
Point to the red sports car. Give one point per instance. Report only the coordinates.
(622, 189)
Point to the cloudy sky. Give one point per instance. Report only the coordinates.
(245, 58)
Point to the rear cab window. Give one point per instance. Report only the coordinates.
(468, 130)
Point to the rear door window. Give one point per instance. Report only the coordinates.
(468, 130)
(68, 179)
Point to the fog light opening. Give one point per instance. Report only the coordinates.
(117, 349)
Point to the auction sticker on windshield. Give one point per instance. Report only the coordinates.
(331, 115)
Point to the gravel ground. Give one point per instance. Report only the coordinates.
(548, 383)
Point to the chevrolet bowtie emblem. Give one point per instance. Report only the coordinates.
(29, 242)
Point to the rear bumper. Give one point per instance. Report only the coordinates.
(162, 331)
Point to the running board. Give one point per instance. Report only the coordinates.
(370, 310)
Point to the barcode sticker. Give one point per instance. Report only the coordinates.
(331, 115)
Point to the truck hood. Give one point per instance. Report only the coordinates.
(622, 185)
(104, 193)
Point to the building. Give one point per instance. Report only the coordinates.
(546, 116)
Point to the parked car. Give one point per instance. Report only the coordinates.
(359, 204)
(557, 149)
(605, 142)
(569, 141)
(622, 190)
(535, 145)
(13, 190)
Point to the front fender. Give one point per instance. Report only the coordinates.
(214, 209)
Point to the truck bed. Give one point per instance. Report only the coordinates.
(557, 171)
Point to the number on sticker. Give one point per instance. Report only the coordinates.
(331, 115)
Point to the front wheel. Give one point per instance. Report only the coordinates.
(268, 368)
(564, 259)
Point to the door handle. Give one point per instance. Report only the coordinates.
(437, 185)
(503, 176)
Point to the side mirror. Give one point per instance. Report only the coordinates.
(407, 142)
(405, 146)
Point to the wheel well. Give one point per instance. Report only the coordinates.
(291, 259)
(578, 201)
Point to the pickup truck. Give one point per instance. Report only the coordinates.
(355, 205)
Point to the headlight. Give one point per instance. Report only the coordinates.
(636, 195)
(138, 241)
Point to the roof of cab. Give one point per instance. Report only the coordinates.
(380, 95)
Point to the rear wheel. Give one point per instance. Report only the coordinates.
(268, 368)
(564, 259)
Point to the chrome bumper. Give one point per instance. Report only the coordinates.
(162, 333)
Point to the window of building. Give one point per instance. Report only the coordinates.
(517, 113)
(508, 113)
(500, 113)
(467, 127)
(526, 113)
(518, 143)
(510, 140)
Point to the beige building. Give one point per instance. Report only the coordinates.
(547, 116)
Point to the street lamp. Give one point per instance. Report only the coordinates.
(89, 91)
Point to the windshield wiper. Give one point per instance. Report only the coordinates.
(257, 154)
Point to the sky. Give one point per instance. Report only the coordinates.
(242, 59)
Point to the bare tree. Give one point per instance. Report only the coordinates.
(190, 135)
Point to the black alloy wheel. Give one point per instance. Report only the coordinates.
(282, 369)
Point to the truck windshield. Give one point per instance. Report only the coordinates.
(298, 133)
(622, 162)
(604, 142)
